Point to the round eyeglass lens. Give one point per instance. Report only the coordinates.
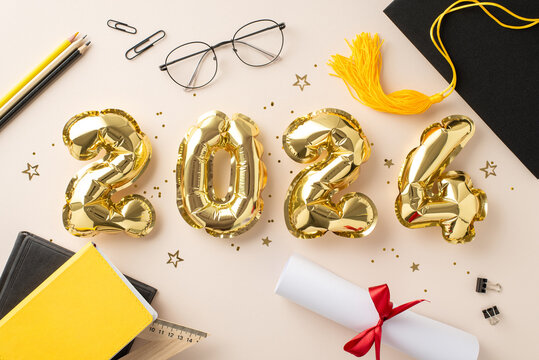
(192, 65)
(258, 43)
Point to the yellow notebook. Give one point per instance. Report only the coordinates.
(85, 310)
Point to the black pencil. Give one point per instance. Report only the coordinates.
(46, 80)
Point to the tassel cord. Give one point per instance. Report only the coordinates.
(437, 41)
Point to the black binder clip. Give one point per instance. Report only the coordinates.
(152, 39)
(118, 25)
(482, 285)
(492, 315)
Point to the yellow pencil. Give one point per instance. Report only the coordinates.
(38, 69)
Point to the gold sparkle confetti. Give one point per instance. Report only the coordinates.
(388, 181)
(392, 249)
(388, 163)
(397, 256)
(31, 171)
(194, 94)
(414, 267)
(372, 261)
(291, 111)
(467, 272)
(264, 108)
(174, 258)
(425, 290)
(163, 125)
(272, 103)
(266, 241)
(489, 169)
(454, 263)
(52, 144)
(34, 153)
(384, 249)
(512, 188)
(159, 113)
(238, 248)
(315, 65)
(301, 81)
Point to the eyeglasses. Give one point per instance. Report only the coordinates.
(194, 64)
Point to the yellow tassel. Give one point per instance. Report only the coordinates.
(361, 71)
(361, 74)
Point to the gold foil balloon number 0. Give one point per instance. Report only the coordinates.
(197, 200)
(309, 211)
(428, 196)
(89, 208)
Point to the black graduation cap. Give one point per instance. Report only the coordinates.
(497, 68)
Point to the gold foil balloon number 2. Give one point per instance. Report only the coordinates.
(309, 211)
(89, 208)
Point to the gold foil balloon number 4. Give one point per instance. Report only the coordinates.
(198, 203)
(309, 211)
(428, 196)
(89, 208)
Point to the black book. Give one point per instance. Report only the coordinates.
(497, 68)
(31, 262)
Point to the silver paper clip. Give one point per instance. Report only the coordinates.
(483, 284)
(118, 25)
(492, 315)
(135, 51)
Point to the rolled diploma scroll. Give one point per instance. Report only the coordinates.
(319, 290)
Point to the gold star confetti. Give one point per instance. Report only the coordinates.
(301, 81)
(489, 169)
(266, 241)
(174, 259)
(31, 171)
(388, 163)
(414, 267)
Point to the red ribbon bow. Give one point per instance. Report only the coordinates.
(362, 343)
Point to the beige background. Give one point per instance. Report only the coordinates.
(229, 292)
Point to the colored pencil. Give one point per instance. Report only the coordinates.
(38, 68)
(37, 79)
(44, 82)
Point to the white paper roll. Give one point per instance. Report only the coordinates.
(319, 290)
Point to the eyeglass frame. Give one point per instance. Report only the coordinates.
(280, 26)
